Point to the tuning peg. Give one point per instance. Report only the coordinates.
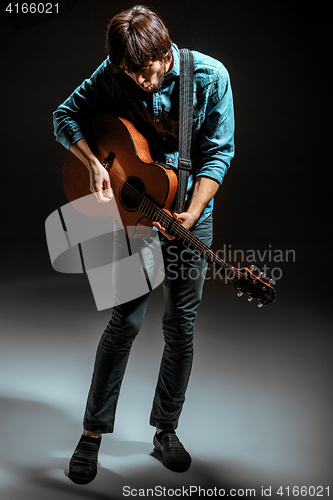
(271, 281)
(262, 275)
(239, 294)
(260, 305)
(250, 298)
(253, 268)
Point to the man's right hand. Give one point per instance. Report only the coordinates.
(100, 183)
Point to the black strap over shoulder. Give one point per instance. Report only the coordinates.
(185, 125)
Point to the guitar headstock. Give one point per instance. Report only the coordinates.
(256, 286)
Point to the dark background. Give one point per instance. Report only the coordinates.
(277, 190)
(276, 195)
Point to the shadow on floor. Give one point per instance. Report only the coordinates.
(37, 441)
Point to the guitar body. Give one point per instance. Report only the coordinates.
(131, 168)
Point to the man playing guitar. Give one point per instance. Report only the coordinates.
(139, 81)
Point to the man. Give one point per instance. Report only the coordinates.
(139, 81)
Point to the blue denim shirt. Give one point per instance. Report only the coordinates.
(156, 115)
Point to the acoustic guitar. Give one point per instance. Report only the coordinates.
(144, 192)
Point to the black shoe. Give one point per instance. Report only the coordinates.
(174, 455)
(83, 464)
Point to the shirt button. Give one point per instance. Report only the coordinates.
(169, 160)
(156, 94)
(157, 120)
(164, 138)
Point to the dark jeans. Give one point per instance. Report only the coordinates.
(184, 278)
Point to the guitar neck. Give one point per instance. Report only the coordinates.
(151, 210)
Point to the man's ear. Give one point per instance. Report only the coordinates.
(168, 56)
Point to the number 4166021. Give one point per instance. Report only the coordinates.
(304, 491)
(33, 8)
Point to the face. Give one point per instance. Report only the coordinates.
(150, 77)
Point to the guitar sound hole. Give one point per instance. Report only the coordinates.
(131, 192)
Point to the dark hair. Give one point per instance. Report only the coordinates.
(136, 36)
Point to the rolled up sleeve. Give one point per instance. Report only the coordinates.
(90, 97)
(217, 140)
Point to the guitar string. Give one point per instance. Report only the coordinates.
(177, 228)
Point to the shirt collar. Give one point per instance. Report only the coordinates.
(175, 69)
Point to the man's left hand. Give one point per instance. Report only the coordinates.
(186, 219)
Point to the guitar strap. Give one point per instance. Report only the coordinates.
(185, 124)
